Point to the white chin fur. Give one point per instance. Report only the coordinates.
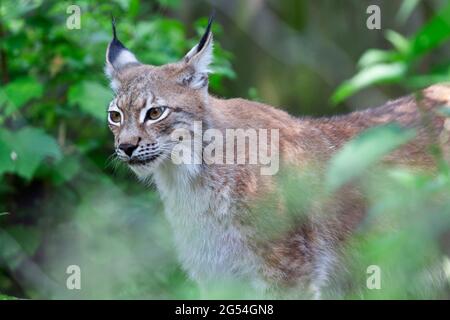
(143, 172)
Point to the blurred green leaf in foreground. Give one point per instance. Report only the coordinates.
(400, 64)
(364, 151)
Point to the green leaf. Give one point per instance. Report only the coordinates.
(380, 73)
(9, 10)
(124, 4)
(32, 146)
(18, 242)
(25, 150)
(3, 97)
(398, 41)
(91, 97)
(27, 236)
(169, 3)
(20, 91)
(432, 34)
(421, 81)
(406, 10)
(65, 170)
(379, 66)
(363, 151)
(6, 164)
(376, 56)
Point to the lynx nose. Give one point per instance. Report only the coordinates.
(128, 148)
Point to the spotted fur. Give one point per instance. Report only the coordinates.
(214, 209)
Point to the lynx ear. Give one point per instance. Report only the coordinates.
(117, 58)
(199, 58)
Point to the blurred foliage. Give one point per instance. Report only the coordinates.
(54, 148)
(365, 150)
(403, 63)
(407, 230)
(61, 203)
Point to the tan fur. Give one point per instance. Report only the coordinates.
(216, 207)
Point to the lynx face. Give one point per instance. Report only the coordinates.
(151, 102)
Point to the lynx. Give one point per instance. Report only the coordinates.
(216, 209)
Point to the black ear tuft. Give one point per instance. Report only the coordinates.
(205, 36)
(115, 47)
(113, 24)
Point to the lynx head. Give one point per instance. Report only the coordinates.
(152, 101)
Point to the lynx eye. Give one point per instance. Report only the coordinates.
(115, 117)
(154, 113)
